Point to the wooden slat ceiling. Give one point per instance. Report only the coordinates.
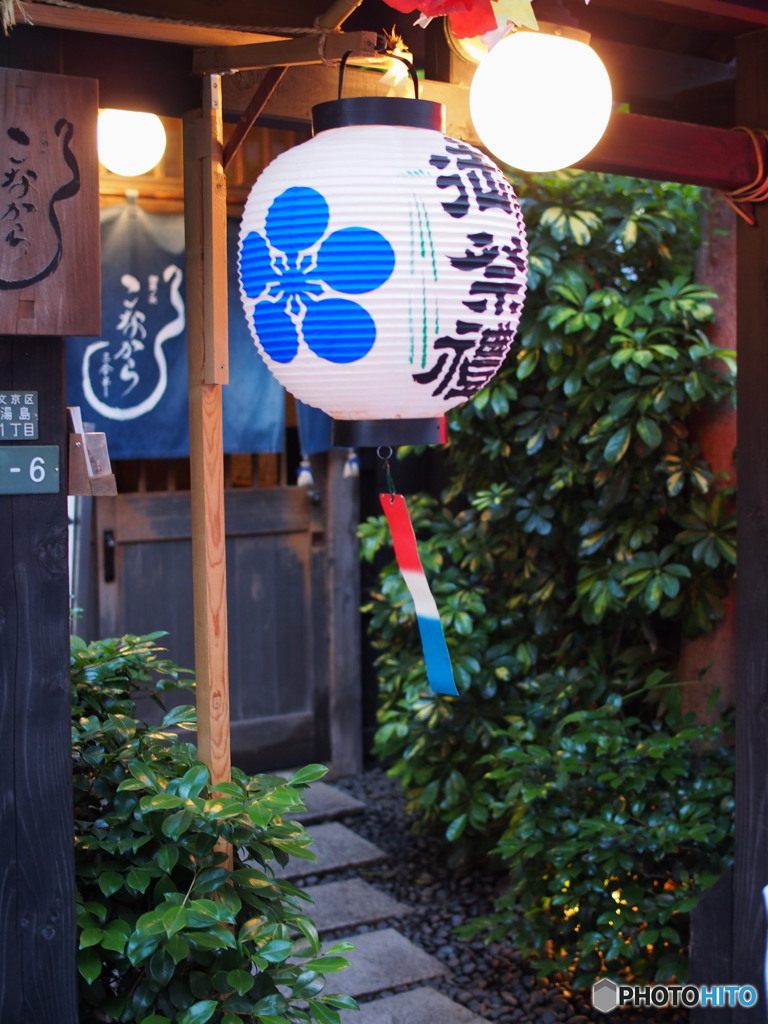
(667, 58)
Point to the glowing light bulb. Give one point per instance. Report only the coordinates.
(130, 142)
(539, 101)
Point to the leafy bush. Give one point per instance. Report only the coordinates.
(581, 536)
(619, 827)
(167, 932)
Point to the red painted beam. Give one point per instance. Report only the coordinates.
(751, 12)
(649, 147)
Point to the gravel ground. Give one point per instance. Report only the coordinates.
(490, 979)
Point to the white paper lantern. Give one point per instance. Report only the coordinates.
(382, 266)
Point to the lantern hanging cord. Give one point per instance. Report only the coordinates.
(757, 190)
(384, 452)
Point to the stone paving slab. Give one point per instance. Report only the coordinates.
(350, 903)
(419, 1006)
(385, 959)
(324, 802)
(336, 848)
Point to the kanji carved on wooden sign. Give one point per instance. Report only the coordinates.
(49, 205)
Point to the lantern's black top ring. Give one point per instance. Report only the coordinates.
(390, 110)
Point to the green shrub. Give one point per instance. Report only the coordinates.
(167, 932)
(581, 537)
(618, 828)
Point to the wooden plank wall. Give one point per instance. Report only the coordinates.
(278, 649)
(37, 890)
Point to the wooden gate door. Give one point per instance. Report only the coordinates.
(293, 595)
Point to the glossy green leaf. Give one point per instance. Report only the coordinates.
(649, 431)
(199, 1013)
(616, 447)
(140, 946)
(308, 774)
(341, 1002)
(177, 824)
(116, 934)
(276, 951)
(89, 964)
(210, 879)
(323, 1013)
(241, 981)
(160, 802)
(90, 937)
(178, 948)
(182, 714)
(167, 858)
(326, 964)
(194, 781)
(138, 879)
(110, 882)
(174, 919)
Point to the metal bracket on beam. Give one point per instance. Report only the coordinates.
(315, 48)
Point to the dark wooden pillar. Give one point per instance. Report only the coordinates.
(751, 867)
(729, 926)
(751, 863)
(37, 889)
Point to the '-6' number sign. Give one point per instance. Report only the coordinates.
(32, 469)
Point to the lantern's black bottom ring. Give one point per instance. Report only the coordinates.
(373, 433)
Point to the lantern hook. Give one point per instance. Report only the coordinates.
(389, 53)
(384, 452)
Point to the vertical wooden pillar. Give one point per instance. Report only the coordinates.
(37, 888)
(751, 862)
(206, 262)
(345, 711)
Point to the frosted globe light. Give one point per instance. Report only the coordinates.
(130, 142)
(539, 101)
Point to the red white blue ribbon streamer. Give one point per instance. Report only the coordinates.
(436, 657)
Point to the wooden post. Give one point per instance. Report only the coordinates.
(346, 711)
(206, 262)
(37, 887)
(49, 286)
(751, 860)
(729, 925)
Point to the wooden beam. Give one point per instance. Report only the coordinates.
(639, 72)
(754, 12)
(646, 147)
(649, 147)
(310, 49)
(248, 118)
(294, 98)
(330, 21)
(717, 16)
(114, 23)
(205, 227)
(299, 14)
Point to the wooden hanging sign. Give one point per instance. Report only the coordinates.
(49, 205)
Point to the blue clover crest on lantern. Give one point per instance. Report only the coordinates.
(289, 274)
